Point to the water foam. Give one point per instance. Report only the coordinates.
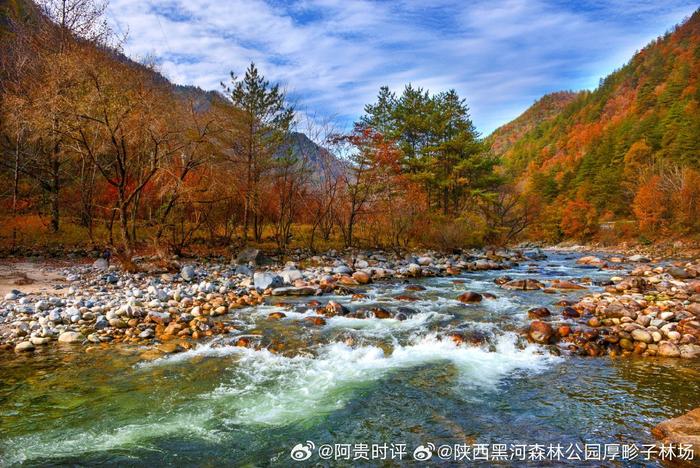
(268, 389)
(272, 389)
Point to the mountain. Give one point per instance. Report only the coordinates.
(26, 12)
(317, 157)
(546, 108)
(592, 145)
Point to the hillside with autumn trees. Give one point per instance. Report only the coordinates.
(101, 150)
(622, 160)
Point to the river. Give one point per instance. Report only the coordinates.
(352, 381)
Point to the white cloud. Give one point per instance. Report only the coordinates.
(333, 55)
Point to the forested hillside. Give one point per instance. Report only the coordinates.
(628, 150)
(547, 107)
(106, 148)
(98, 149)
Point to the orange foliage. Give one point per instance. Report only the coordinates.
(579, 219)
(649, 205)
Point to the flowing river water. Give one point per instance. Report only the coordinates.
(352, 381)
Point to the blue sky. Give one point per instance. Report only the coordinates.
(333, 55)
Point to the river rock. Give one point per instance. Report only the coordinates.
(12, 295)
(523, 285)
(342, 270)
(678, 273)
(320, 321)
(501, 280)
(639, 259)
(690, 351)
(170, 347)
(361, 264)
(413, 269)
(334, 308)
(71, 337)
(590, 260)
(24, 346)
(642, 335)
(541, 332)
(101, 264)
(684, 429)
(101, 323)
(187, 272)
(361, 277)
(250, 255)
(264, 280)
(294, 291)
(470, 297)
(564, 284)
(380, 313)
(668, 349)
(291, 275)
(538, 313)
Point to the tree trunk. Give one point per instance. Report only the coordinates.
(55, 212)
(124, 227)
(15, 195)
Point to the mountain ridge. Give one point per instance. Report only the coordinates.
(645, 113)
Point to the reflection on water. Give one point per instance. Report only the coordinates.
(352, 381)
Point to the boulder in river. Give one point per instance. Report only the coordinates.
(690, 351)
(501, 280)
(334, 308)
(71, 337)
(684, 429)
(523, 285)
(24, 346)
(295, 291)
(469, 297)
(570, 312)
(538, 313)
(642, 335)
(565, 284)
(361, 277)
(265, 279)
(380, 313)
(590, 260)
(668, 349)
(541, 332)
(289, 276)
(639, 259)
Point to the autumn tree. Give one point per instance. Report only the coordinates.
(122, 123)
(507, 214)
(579, 219)
(371, 163)
(181, 186)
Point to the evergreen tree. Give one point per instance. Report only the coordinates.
(267, 119)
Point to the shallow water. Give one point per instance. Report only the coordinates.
(353, 381)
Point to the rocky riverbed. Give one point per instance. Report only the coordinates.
(653, 311)
(173, 308)
(230, 362)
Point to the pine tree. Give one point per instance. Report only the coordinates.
(267, 119)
